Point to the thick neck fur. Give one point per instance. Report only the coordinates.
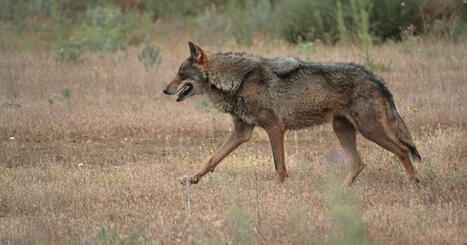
(219, 99)
(227, 70)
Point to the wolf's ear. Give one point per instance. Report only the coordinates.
(197, 54)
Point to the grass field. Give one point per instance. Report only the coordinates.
(98, 153)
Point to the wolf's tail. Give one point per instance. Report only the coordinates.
(404, 136)
(397, 123)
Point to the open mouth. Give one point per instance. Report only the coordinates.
(184, 91)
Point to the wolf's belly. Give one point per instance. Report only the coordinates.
(304, 120)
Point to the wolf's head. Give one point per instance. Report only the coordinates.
(191, 78)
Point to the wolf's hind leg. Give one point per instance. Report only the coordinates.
(276, 137)
(241, 133)
(380, 137)
(374, 130)
(276, 131)
(346, 133)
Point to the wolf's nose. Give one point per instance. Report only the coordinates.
(164, 91)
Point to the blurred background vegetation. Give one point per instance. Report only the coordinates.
(76, 26)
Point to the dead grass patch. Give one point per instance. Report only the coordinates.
(134, 147)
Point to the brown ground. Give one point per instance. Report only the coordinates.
(136, 145)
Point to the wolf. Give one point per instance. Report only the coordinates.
(289, 94)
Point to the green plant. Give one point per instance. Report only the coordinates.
(19, 10)
(66, 92)
(12, 90)
(343, 206)
(136, 237)
(174, 8)
(11, 105)
(343, 35)
(150, 55)
(306, 49)
(69, 50)
(248, 19)
(408, 40)
(212, 28)
(11, 86)
(104, 239)
(241, 225)
(104, 29)
(354, 27)
(390, 17)
(303, 20)
(373, 65)
(203, 106)
(357, 31)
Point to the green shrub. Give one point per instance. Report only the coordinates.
(241, 20)
(12, 90)
(20, 10)
(104, 29)
(150, 55)
(305, 50)
(173, 8)
(212, 28)
(306, 20)
(353, 26)
(248, 19)
(69, 50)
(390, 17)
(242, 225)
(349, 226)
(333, 20)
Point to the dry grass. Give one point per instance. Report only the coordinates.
(135, 147)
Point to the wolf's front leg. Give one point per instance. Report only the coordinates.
(241, 133)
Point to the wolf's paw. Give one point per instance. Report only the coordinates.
(192, 179)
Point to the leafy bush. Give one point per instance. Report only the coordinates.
(333, 20)
(390, 17)
(12, 90)
(100, 25)
(305, 50)
(104, 29)
(20, 10)
(241, 20)
(69, 50)
(178, 8)
(150, 55)
(248, 19)
(349, 226)
(212, 27)
(306, 20)
(241, 225)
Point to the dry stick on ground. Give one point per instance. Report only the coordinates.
(258, 215)
(188, 199)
